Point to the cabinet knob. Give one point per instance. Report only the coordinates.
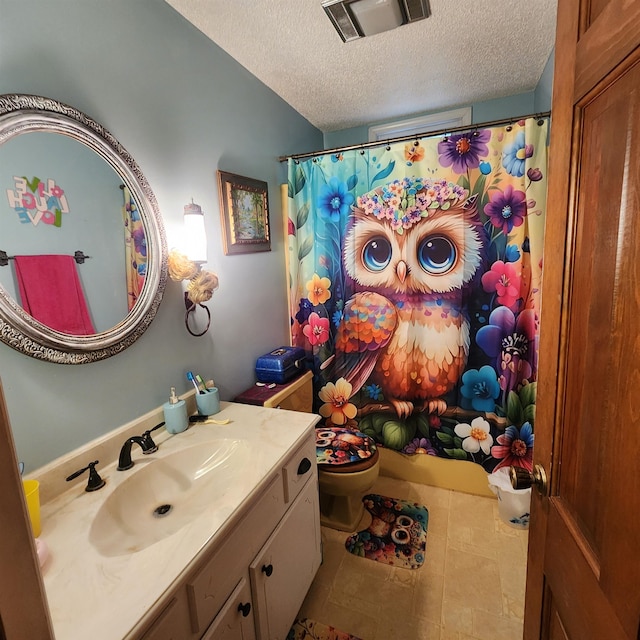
(244, 609)
(304, 466)
(267, 569)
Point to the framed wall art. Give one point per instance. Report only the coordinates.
(244, 208)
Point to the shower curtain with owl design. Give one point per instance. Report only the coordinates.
(414, 280)
(135, 247)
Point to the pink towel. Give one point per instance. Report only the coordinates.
(50, 292)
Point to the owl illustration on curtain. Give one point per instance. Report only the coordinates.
(411, 250)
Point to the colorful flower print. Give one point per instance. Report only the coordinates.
(480, 389)
(514, 156)
(514, 447)
(420, 445)
(318, 289)
(511, 341)
(405, 202)
(463, 151)
(503, 279)
(511, 253)
(507, 209)
(336, 402)
(413, 152)
(505, 331)
(476, 435)
(334, 200)
(139, 241)
(317, 331)
(534, 174)
(374, 392)
(305, 307)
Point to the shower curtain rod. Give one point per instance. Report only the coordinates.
(426, 134)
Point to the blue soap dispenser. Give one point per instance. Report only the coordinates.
(176, 419)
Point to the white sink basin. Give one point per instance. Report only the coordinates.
(162, 495)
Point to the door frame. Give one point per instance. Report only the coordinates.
(23, 604)
(555, 287)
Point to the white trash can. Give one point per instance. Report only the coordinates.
(513, 504)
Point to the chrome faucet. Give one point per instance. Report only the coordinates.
(146, 444)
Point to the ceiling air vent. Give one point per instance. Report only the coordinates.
(416, 9)
(354, 19)
(342, 21)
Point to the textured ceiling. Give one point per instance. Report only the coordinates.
(467, 51)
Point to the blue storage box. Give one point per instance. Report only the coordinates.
(280, 365)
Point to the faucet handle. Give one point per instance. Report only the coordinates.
(149, 440)
(95, 481)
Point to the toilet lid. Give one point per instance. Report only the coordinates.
(338, 446)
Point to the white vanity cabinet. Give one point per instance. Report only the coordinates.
(284, 569)
(249, 583)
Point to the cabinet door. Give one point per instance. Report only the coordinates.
(172, 623)
(209, 587)
(235, 620)
(283, 571)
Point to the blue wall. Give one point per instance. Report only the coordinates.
(545, 86)
(537, 101)
(183, 108)
(511, 106)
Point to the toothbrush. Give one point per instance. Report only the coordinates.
(192, 379)
(201, 385)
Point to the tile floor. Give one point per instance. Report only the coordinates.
(471, 586)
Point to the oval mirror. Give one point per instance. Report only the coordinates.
(82, 244)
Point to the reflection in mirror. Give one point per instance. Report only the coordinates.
(67, 185)
(60, 197)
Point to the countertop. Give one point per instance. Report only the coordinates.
(102, 598)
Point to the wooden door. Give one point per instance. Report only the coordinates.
(583, 579)
(23, 607)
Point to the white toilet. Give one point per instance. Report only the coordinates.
(341, 490)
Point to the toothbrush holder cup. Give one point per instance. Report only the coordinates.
(208, 403)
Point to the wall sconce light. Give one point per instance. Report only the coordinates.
(355, 19)
(188, 266)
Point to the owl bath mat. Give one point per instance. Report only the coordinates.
(397, 534)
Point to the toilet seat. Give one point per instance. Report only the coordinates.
(350, 467)
(342, 446)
